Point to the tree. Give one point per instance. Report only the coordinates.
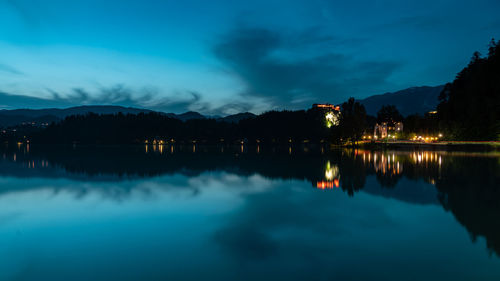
(352, 120)
(469, 106)
(389, 114)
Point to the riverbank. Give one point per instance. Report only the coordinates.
(438, 145)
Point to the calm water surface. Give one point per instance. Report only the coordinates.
(247, 213)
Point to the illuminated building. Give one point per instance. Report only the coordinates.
(326, 106)
(384, 129)
(380, 130)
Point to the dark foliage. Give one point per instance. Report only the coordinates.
(469, 107)
(270, 127)
(353, 120)
(421, 125)
(389, 114)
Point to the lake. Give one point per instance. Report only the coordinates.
(247, 213)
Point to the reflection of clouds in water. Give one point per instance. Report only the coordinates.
(253, 183)
(62, 199)
(276, 222)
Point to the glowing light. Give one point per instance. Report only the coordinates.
(331, 119)
(331, 171)
(336, 183)
(329, 174)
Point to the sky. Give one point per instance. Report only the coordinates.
(222, 57)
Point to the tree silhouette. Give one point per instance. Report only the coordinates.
(469, 107)
(352, 120)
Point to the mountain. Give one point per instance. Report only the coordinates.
(38, 116)
(235, 118)
(61, 113)
(408, 101)
(189, 116)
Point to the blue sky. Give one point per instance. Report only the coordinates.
(222, 57)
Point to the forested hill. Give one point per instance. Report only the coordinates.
(470, 105)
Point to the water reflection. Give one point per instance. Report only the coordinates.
(270, 208)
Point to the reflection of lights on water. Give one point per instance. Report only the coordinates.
(331, 177)
(331, 171)
(336, 182)
(327, 184)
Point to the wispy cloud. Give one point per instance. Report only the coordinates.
(116, 95)
(9, 69)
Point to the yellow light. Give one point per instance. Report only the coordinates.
(329, 174)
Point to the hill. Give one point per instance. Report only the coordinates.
(235, 118)
(38, 116)
(408, 101)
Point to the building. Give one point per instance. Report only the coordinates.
(380, 130)
(384, 130)
(326, 106)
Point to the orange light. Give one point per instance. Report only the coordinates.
(324, 184)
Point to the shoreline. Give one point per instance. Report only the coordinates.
(441, 145)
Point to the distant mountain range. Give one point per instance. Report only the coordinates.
(41, 116)
(409, 101)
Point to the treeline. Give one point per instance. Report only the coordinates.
(270, 127)
(469, 107)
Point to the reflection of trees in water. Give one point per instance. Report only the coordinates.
(468, 185)
(352, 172)
(472, 194)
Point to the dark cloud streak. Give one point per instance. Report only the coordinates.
(9, 69)
(273, 67)
(116, 95)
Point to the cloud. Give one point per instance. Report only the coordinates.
(423, 22)
(116, 95)
(9, 69)
(28, 11)
(121, 95)
(294, 70)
